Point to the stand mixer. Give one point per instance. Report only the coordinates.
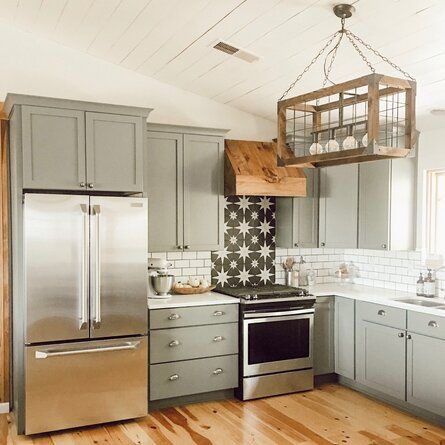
(160, 282)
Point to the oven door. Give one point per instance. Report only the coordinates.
(273, 342)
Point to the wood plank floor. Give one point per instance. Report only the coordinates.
(331, 414)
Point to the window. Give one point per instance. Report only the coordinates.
(435, 212)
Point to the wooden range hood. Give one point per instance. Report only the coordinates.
(251, 169)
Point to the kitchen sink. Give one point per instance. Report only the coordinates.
(424, 303)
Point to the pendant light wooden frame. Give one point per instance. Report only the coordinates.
(378, 86)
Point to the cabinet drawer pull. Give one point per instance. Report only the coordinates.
(218, 313)
(173, 377)
(218, 371)
(174, 343)
(401, 334)
(91, 185)
(174, 317)
(218, 338)
(433, 324)
(381, 312)
(82, 184)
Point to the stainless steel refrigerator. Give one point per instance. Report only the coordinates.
(85, 271)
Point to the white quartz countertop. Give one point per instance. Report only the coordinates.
(375, 295)
(207, 299)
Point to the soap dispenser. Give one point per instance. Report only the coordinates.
(429, 288)
(302, 276)
(420, 286)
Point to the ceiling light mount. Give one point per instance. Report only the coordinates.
(343, 10)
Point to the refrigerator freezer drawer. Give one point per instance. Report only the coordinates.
(83, 383)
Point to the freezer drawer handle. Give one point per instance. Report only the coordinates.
(173, 377)
(218, 338)
(85, 264)
(218, 371)
(218, 313)
(174, 317)
(97, 310)
(60, 352)
(174, 343)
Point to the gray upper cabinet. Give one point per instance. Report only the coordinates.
(114, 152)
(344, 337)
(203, 188)
(183, 179)
(297, 218)
(339, 206)
(81, 146)
(324, 336)
(163, 183)
(53, 142)
(387, 202)
(381, 358)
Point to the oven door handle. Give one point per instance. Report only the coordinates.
(277, 314)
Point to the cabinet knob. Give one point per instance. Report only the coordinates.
(174, 317)
(409, 337)
(174, 343)
(433, 324)
(82, 184)
(218, 371)
(218, 313)
(296, 245)
(381, 312)
(186, 247)
(401, 334)
(179, 247)
(173, 377)
(384, 246)
(218, 338)
(322, 244)
(90, 185)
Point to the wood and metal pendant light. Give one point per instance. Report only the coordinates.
(363, 119)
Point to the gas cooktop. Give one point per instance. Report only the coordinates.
(266, 292)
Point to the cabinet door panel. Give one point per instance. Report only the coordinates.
(324, 336)
(53, 148)
(381, 358)
(374, 205)
(163, 167)
(338, 206)
(203, 185)
(425, 387)
(114, 152)
(344, 328)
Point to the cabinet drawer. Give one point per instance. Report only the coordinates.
(168, 345)
(426, 324)
(193, 316)
(193, 377)
(384, 315)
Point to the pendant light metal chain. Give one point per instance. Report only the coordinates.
(351, 36)
(333, 54)
(308, 67)
(360, 52)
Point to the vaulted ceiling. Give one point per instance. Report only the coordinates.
(172, 41)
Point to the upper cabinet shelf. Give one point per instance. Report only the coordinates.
(70, 145)
(365, 119)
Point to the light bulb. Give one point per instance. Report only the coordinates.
(332, 144)
(365, 140)
(315, 148)
(350, 141)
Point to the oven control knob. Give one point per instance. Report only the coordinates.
(255, 296)
(247, 297)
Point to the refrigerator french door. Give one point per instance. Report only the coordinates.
(86, 310)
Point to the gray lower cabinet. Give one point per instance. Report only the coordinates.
(387, 203)
(183, 179)
(71, 145)
(297, 218)
(344, 337)
(425, 373)
(381, 358)
(324, 362)
(339, 206)
(193, 350)
(53, 144)
(114, 150)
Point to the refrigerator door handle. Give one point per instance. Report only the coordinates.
(85, 264)
(97, 310)
(60, 352)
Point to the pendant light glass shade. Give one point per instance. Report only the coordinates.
(332, 144)
(316, 147)
(350, 141)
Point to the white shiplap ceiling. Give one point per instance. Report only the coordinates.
(171, 40)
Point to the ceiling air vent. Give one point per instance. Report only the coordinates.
(235, 52)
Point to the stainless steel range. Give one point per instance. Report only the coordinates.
(276, 332)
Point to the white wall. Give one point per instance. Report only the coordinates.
(34, 65)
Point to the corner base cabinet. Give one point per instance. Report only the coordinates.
(183, 179)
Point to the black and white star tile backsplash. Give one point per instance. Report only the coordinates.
(248, 257)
